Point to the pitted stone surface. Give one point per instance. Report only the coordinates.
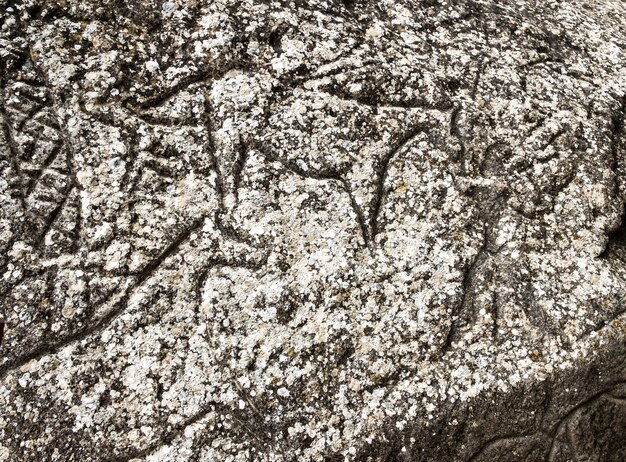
(326, 230)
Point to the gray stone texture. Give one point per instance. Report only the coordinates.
(360, 230)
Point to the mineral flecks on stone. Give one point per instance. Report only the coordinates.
(312, 230)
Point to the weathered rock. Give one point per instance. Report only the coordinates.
(317, 230)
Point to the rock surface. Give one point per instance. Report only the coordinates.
(313, 230)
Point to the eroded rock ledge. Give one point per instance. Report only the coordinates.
(358, 230)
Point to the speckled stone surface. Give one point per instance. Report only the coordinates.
(242, 230)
